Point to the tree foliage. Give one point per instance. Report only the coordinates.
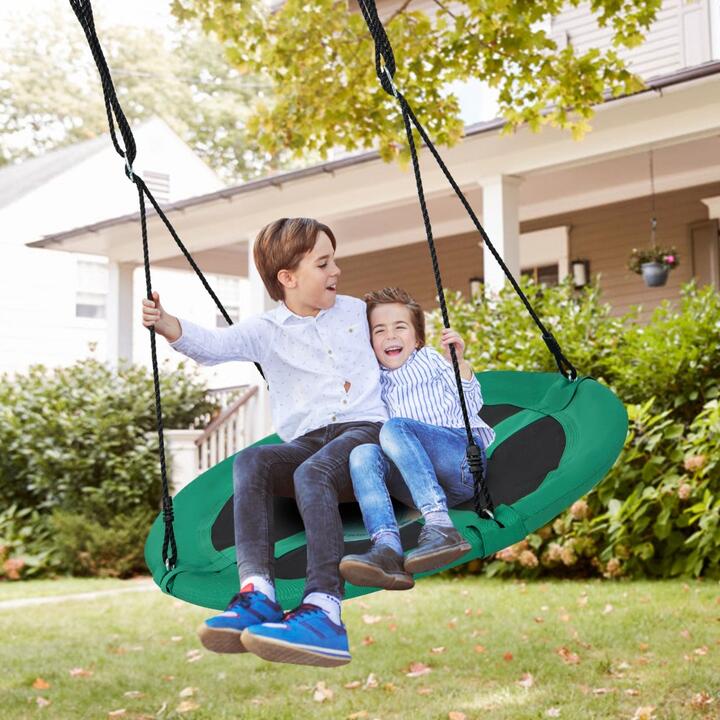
(320, 59)
(50, 93)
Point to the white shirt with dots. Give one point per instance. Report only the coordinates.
(307, 361)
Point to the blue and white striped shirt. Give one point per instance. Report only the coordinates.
(423, 388)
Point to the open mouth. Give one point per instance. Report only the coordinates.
(393, 350)
(332, 288)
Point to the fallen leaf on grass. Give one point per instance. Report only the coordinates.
(187, 706)
(369, 640)
(117, 713)
(539, 619)
(701, 699)
(80, 672)
(193, 655)
(371, 619)
(417, 669)
(568, 656)
(42, 702)
(371, 682)
(632, 691)
(508, 656)
(553, 712)
(358, 715)
(321, 693)
(456, 715)
(392, 627)
(603, 691)
(479, 648)
(701, 650)
(176, 638)
(352, 685)
(187, 692)
(389, 687)
(644, 712)
(607, 609)
(424, 691)
(437, 650)
(133, 694)
(526, 681)
(41, 684)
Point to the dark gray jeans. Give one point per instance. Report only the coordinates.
(314, 470)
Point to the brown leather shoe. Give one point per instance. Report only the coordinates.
(437, 546)
(380, 567)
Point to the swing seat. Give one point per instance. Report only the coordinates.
(555, 440)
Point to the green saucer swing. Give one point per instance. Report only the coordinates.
(555, 439)
(557, 434)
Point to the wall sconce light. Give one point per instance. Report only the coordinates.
(476, 284)
(580, 270)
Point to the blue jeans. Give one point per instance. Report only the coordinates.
(423, 466)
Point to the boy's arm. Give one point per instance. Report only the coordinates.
(243, 341)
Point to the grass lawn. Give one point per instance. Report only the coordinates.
(474, 648)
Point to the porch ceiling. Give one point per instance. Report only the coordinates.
(373, 205)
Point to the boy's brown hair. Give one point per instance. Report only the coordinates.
(398, 295)
(281, 245)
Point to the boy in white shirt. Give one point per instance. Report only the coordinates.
(325, 398)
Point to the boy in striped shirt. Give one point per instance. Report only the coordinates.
(421, 456)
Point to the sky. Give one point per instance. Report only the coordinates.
(150, 13)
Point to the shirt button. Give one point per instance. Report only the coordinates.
(334, 417)
(329, 352)
(344, 402)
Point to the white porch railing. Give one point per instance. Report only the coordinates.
(228, 432)
(191, 452)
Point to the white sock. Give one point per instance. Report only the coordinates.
(260, 583)
(329, 603)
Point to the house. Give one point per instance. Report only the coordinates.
(56, 306)
(551, 205)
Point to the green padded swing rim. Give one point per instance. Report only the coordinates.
(205, 576)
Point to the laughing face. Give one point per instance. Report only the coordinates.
(393, 334)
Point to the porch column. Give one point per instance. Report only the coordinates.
(501, 221)
(119, 312)
(260, 302)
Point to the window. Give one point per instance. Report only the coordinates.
(92, 289)
(227, 288)
(543, 274)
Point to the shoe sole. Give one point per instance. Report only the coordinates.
(437, 559)
(285, 652)
(221, 640)
(365, 575)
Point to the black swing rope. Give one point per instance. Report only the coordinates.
(385, 68)
(84, 14)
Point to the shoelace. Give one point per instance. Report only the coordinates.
(301, 610)
(240, 598)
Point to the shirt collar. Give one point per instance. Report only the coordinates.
(283, 312)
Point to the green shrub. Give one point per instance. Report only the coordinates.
(74, 438)
(25, 545)
(111, 549)
(657, 512)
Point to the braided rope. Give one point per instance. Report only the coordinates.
(128, 151)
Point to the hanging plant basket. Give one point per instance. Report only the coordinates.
(653, 264)
(654, 274)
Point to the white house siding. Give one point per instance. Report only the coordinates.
(38, 287)
(679, 37)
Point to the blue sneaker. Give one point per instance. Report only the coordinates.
(222, 633)
(306, 636)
